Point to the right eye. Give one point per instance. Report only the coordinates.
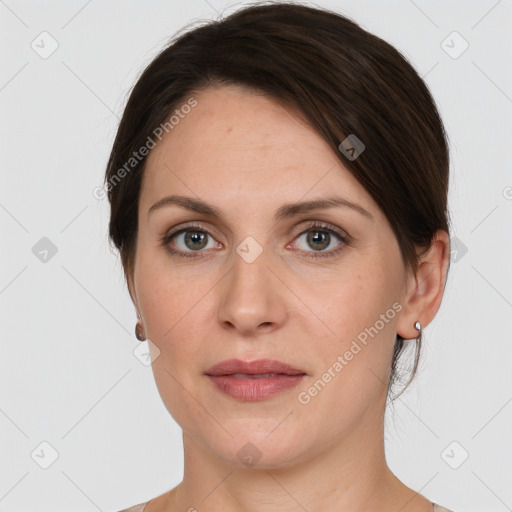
(189, 241)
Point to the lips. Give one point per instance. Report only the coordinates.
(260, 368)
(255, 380)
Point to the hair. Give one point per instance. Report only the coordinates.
(342, 79)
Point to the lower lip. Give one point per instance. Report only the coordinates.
(254, 389)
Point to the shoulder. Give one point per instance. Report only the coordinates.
(438, 508)
(138, 508)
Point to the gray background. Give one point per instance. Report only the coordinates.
(69, 375)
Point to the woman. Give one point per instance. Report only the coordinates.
(278, 189)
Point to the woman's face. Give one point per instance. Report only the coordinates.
(249, 285)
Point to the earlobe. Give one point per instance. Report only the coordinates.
(139, 330)
(426, 292)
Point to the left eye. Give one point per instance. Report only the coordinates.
(320, 239)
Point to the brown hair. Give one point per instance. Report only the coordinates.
(341, 78)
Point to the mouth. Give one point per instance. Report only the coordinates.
(253, 381)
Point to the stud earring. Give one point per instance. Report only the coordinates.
(417, 326)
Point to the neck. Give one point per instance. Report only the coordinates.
(351, 475)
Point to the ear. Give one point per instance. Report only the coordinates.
(131, 289)
(425, 288)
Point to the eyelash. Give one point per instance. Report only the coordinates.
(314, 225)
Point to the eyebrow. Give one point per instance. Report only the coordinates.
(285, 211)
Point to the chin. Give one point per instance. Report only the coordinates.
(253, 449)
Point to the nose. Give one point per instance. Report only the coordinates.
(252, 297)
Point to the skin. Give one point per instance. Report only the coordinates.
(247, 155)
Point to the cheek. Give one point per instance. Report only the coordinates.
(355, 359)
(176, 309)
(171, 296)
(356, 302)
(361, 312)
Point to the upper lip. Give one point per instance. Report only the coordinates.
(260, 366)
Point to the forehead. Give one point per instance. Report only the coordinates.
(236, 144)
